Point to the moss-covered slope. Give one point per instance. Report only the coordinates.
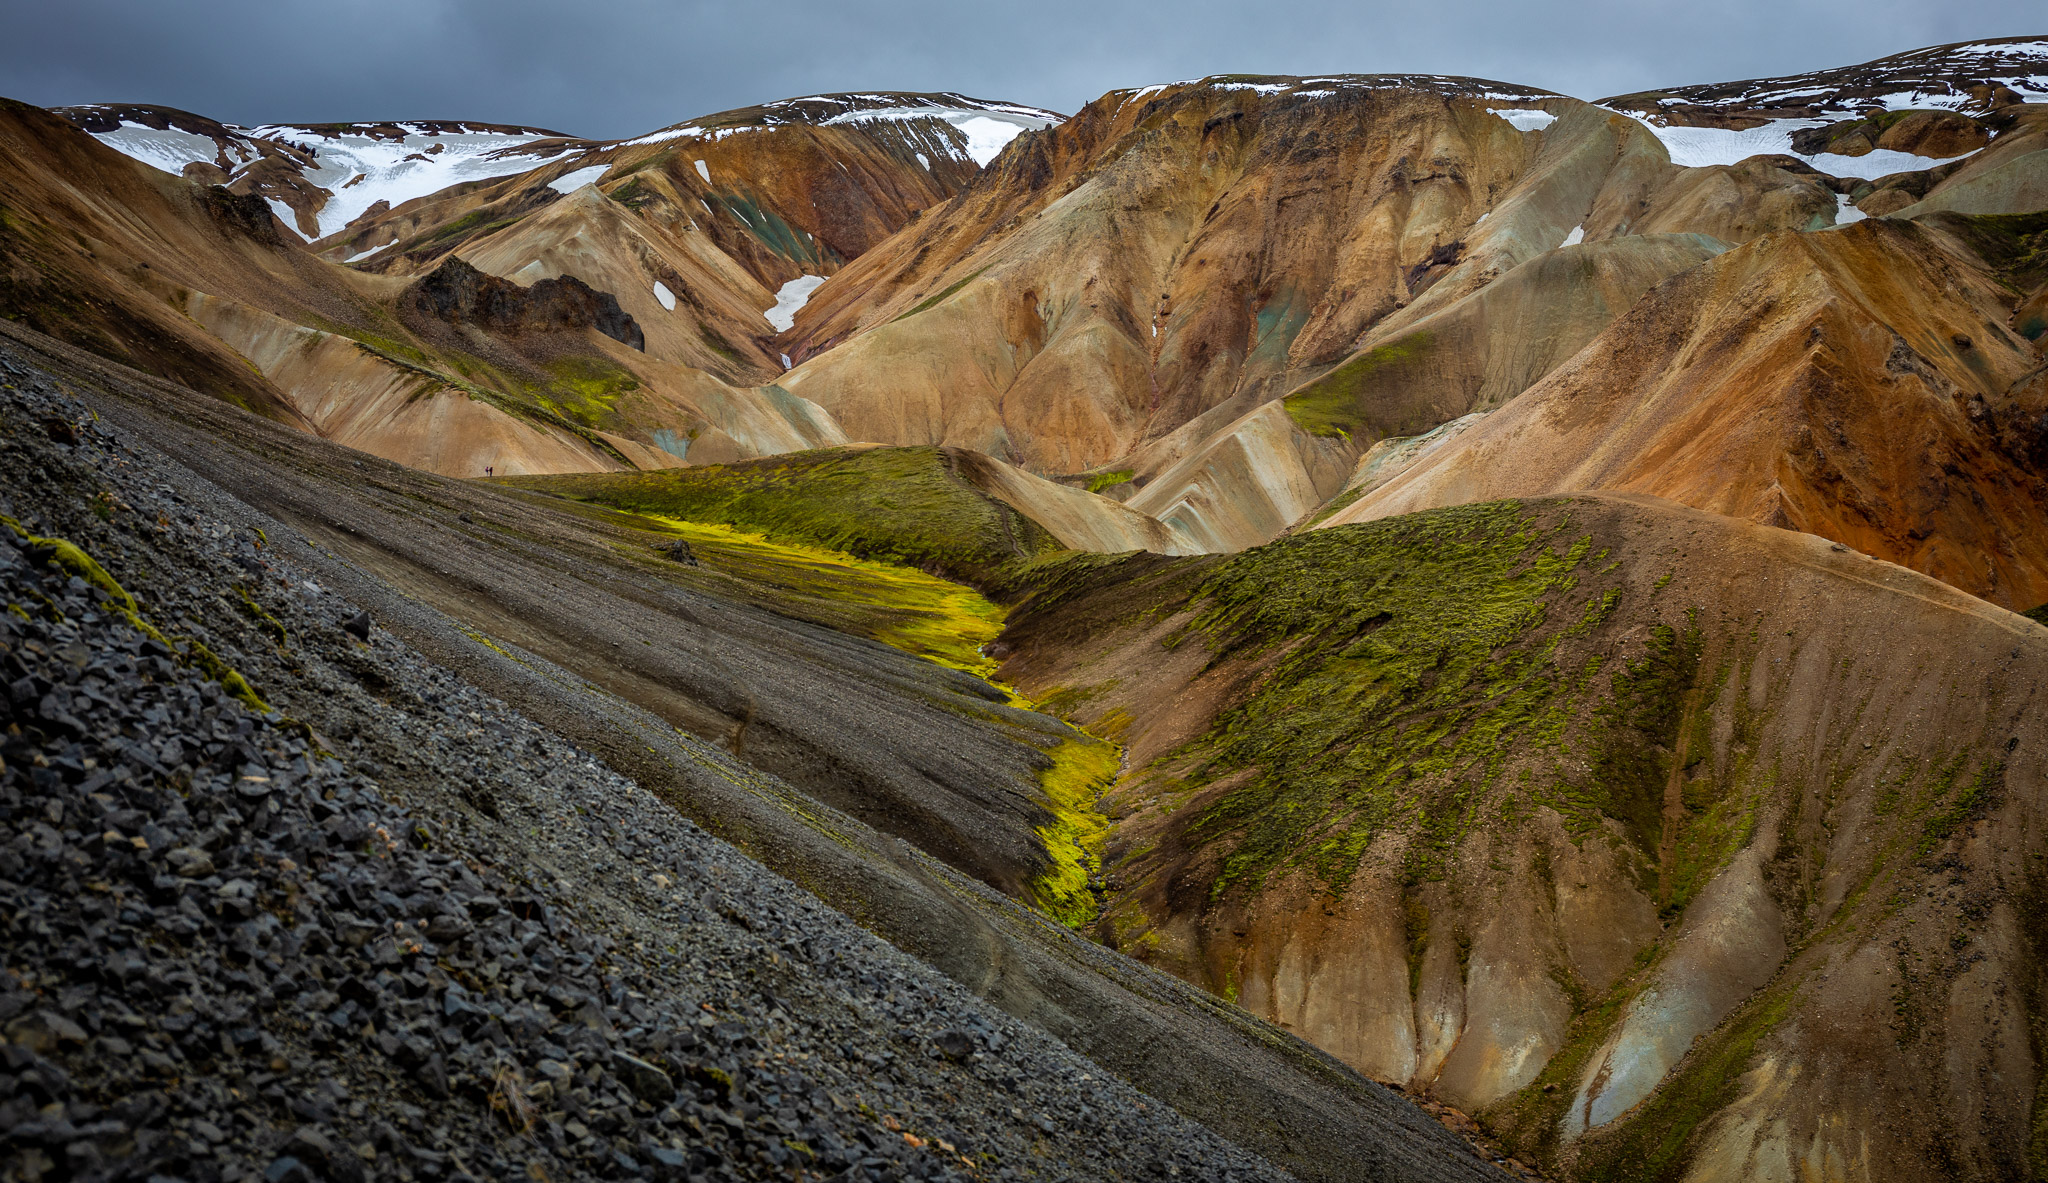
(1599, 816)
(899, 505)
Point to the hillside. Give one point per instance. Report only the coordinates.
(547, 618)
(1674, 846)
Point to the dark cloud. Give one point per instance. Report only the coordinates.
(618, 67)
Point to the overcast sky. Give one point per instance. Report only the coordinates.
(609, 68)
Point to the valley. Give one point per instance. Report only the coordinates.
(1384, 626)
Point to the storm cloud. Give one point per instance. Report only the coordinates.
(618, 67)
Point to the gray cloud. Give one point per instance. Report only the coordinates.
(619, 67)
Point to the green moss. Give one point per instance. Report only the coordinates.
(586, 390)
(1334, 405)
(634, 193)
(67, 556)
(1631, 765)
(1410, 669)
(474, 224)
(1415, 928)
(1971, 802)
(933, 302)
(1336, 505)
(2015, 245)
(1410, 672)
(1079, 772)
(526, 405)
(894, 505)
(1103, 480)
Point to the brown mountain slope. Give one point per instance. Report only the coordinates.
(1861, 384)
(1676, 847)
(1133, 280)
(1259, 475)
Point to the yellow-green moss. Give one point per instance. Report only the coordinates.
(271, 625)
(937, 619)
(586, 390)
(1080, 771)
(68, 556)
(895, 505)
(1333, 404)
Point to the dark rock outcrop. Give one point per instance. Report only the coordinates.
(458, 293)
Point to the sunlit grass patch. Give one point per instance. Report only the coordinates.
(934, 618)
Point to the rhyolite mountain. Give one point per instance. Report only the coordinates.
(1520, 593)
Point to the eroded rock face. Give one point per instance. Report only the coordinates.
(459, 294)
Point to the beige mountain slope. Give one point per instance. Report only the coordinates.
(1674, 846)
(1258, 476)
(706, 312)
(1124, 285)
(1861, 385)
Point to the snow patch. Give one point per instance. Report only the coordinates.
(986, 137)
(570, 182)
(662, 137)
(169, 150)
(988, 132)
(704, 170)
(924, 162)
(396, 171)
(1524, 120)
(1846, 211)
(287, 215)
(790, 299)
(1701, 147)
(1577, 236)
(667, 298)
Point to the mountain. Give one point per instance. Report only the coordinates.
(799, 182)
(318, 178)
